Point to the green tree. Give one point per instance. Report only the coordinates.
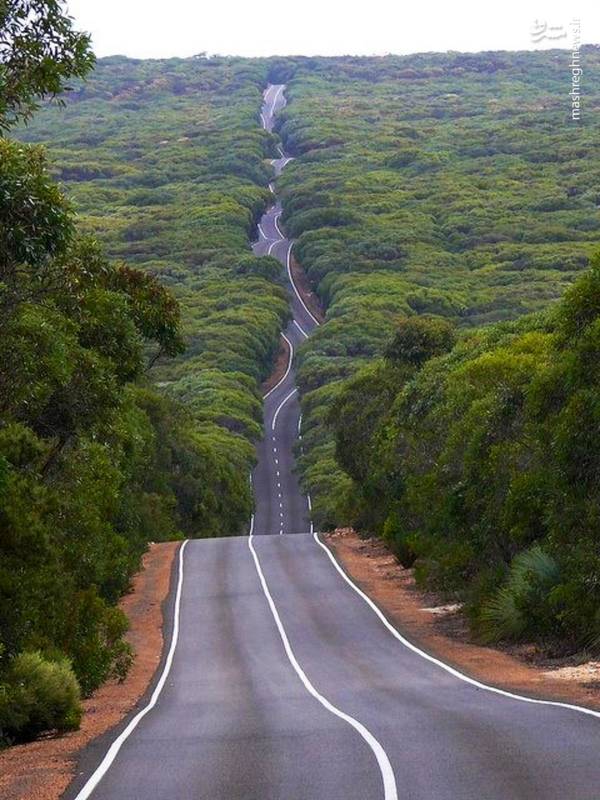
(39, 52)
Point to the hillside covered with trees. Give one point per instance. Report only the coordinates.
(442, 205)
(136, 328)
(434, 198)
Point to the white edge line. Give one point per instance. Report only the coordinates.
(287, 372)
(298, 295)
(301, 329)
(113, 750)
(279, 407)
(389, 782)
(456, 673)
(276, 219)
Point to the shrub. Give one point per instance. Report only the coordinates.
(419, 338)
(519, 608)
(399, 541)
(38, 695)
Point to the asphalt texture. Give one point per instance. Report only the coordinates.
(285, 684)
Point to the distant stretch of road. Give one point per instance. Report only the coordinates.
(282, 681)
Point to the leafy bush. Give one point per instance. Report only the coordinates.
(417, 339)
(37, 695)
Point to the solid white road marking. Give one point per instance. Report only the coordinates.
(460, 675)
(295, 288)
(111, 754)
(301, 329)
(279, 407)
(287, 371)
(390, 791)
(276, 223)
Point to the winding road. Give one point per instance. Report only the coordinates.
(284, 682)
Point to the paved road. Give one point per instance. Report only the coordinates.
(283, 683)
(280, 506)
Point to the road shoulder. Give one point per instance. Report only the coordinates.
(43, 769)
(440, 631)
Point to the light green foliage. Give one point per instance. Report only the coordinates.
(441, 185)
(37, 695)
(165, 162)
(454, 186)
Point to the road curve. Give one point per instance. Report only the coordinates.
(282, 682)
(280, 506)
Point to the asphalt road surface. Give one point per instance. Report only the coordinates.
(283, 681)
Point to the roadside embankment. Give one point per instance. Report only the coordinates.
(441, 630)
(42, 770)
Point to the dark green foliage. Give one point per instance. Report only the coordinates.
(519, 609)
(481, 467)
(80, 456)
(94, 462)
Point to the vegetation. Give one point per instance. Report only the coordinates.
(434, 198)
(485, 469)
(110, 434)
(165, 163)
(441, 204)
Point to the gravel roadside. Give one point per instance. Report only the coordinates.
(42, 770)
